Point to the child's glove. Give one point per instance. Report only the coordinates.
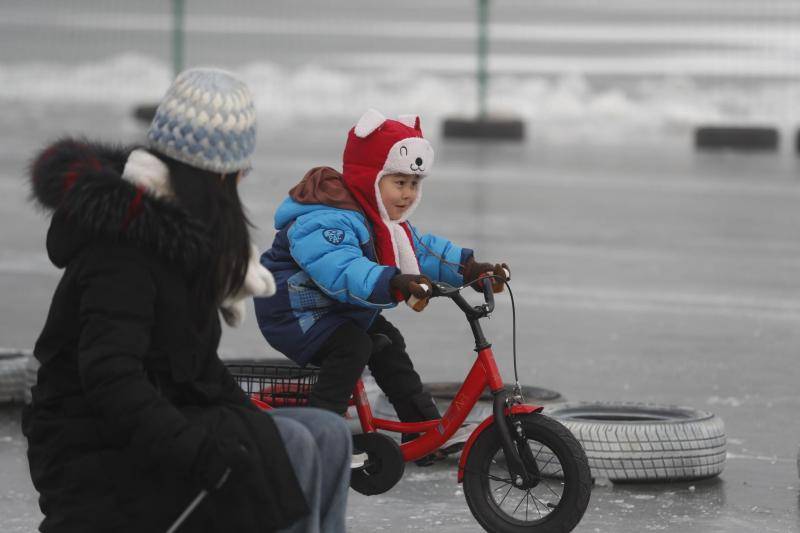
(407, 285)
(473, 270)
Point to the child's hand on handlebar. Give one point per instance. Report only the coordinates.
(473, 270)
(413, 289)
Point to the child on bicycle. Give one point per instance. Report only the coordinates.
(344, 251)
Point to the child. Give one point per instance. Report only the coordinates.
(344, 251)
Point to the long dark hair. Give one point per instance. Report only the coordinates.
(213, 199)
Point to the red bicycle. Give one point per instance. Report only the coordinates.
(521, 470)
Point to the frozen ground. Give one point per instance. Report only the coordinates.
(642, 272)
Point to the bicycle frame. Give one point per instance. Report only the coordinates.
(484, 373)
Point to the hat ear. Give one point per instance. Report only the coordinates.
(369, 122)
(412, 121)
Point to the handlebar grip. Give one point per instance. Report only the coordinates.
(507, 273)
(488, 293)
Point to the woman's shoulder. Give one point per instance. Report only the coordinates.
(91, 200)
(109, 256)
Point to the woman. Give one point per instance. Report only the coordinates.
(133, 413)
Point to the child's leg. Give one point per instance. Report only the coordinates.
(342, 359)
(395, 375)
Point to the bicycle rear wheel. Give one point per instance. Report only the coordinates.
(559, 495)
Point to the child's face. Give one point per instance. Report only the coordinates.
(398, 192)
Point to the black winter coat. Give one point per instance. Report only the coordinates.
(132, 402)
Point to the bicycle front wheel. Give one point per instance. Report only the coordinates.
(556, 499)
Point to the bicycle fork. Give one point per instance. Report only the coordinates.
(520, 461)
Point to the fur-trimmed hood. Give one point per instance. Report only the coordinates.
(81, 183)
(119, 194)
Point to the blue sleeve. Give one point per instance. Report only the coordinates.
(328, 248)
(440, 259)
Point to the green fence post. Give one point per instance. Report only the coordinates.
(146, 112)
(177, 36)
(484, 126)
(483, 54)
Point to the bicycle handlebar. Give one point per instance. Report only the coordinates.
(488, 293)
(454, 293)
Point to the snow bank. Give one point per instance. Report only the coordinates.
(564, 106)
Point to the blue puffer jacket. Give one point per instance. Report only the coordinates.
(325, 268)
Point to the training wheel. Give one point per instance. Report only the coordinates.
(384, 466)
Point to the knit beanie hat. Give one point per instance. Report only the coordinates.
(206, 120)
(377, 146)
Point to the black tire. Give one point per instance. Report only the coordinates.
(644, 442)
(486, 479)
(384, 467)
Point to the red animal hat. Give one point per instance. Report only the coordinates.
(377, 146)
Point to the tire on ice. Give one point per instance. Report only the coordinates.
(644, 442)
(557, 499)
